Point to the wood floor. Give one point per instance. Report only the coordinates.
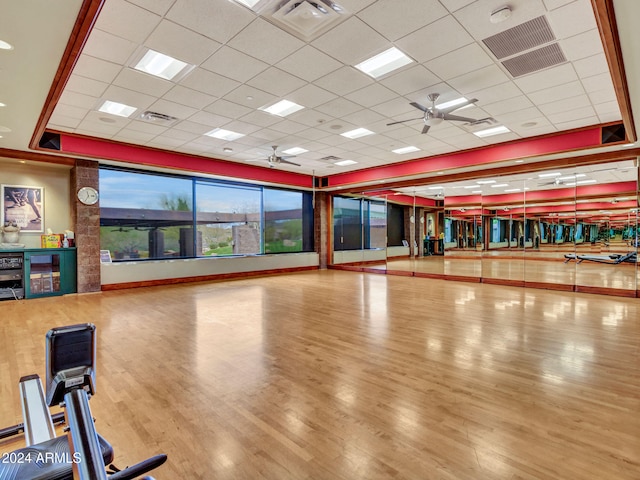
(341, 375)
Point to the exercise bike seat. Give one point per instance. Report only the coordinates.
(49, 460)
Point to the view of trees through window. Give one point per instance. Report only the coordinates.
(145, 215)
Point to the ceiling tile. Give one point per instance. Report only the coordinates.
(70, 111)
(75, 99)
(597, 82)
(410, 80)
(171, 108)
(276, 82)
(250, 97)
(582, 45)
(265, 41)
(181, 43)
(572, 115)
(352, 41)
(344, 80)
(109, 47)
(556, 94)
(338, 107)
(308, 63)
(227, 109)
(86, 86)
(128, 97)
(192, 127)
(310, 96)
(501, 91)
(96, 68)
(560, 106)
(237, 65)
(453, 5)
(371, 95)
(162, 141)
(478, 79)
(60, 122)
(519, 116)
(463, 60)
(553, 4)
(127, 21)
(260, 118)
(208, 82)
(156, 6)
(187, 96)
(146, 127)
(217, 20)
(210, 119)
(548, 78)
(288, 127)
(133, 136)
(390, 18)
(602, 96)
(590, 66)
(572, 19)
(506, 106)
(142, 82)
(421, 45)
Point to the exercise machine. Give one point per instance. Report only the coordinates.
(80, 454)
(610, 259)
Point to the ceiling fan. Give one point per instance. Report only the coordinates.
(275, 159)
(434, 116)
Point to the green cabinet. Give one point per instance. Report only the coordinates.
(49, 271)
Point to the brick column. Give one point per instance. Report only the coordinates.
(322, 230)
(86, 221)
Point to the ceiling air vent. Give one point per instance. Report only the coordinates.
(535, 60)
(330, 158)
(308, 18)
(157, 118)
(522, 37)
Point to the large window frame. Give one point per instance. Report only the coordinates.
(163, 227)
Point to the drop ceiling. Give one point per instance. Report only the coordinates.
(247, 59)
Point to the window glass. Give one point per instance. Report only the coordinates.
(283, 221)
(377, 225)
(228, 220)
(144, 216)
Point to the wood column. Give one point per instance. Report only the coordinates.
(86, 220)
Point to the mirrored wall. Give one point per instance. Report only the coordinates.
(573, 229)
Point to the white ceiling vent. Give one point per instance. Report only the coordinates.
(308, 18)
(157, 118)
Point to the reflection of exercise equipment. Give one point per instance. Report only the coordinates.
(612, 259)
(81, 454)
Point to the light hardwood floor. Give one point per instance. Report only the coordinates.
(341, 375)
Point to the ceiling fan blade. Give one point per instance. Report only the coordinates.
(419, 107)
(456, 118)
(282, 160)
(425, 129)
(457, 107)
(402, 121)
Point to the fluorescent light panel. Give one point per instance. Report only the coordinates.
(295, 151)
(223, 134)
(282, 108)
(551, 174)
(344, 163)
(499, 185)
(452, 103)
(160, 65)
(384, 62)
(511, 190)
(5, 46)
(485, 182)
(357, 133)
(248, 3)
(118, 109)
(402, 150)
(492, 131)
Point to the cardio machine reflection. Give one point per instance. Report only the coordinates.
(82, 454)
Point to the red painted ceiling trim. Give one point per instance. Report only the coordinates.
(135, 155)
(563, 142)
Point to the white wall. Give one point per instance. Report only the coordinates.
(125, 272)
(55, 179)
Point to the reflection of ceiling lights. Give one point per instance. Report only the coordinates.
(485, 182)
(5, 46)
(499, 185)
(552, 174)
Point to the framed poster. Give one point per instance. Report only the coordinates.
(23, 206)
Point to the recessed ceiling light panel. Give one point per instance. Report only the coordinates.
(282, 108)
(489, 132)
(5, 46)
(402, 150)
(163, 66)
(344, 163)
(115, 108)
(223, 134)
(357, 133)
(384, 62)
(295, 151)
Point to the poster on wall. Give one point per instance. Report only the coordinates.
(24, 207)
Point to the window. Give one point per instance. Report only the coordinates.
(152, 216)
(143, 216)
